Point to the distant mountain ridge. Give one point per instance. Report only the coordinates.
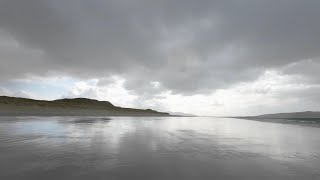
(307, 118)
(15, 106)
(304, 114)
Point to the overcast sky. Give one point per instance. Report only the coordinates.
(206, 57)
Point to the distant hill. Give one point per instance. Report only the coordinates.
(298, 115)
(14, 106)
(309, 118)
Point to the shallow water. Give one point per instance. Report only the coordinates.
(161, 148)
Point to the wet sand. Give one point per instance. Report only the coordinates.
(160, 148)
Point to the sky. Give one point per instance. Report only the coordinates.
(204, 57)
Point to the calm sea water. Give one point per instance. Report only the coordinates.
(161, 148)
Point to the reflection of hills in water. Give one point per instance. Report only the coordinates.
(12, 106)
(315, 121)
(304, 120)
(90, 120)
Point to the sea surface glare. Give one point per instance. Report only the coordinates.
(156, 148)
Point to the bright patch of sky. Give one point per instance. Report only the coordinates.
(39, 88)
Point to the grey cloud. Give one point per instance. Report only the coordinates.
(187, 46)
(309, 69)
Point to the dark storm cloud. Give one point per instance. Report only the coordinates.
(188, 46)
